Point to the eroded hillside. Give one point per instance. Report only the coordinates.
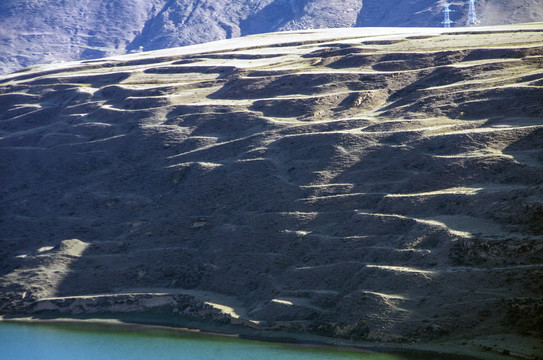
(337, 181)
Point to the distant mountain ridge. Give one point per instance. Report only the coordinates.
(33, 32)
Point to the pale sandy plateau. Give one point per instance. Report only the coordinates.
(372, 185)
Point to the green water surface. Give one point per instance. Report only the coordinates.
(56, 342)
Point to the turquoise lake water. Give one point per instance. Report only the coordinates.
(55, 342)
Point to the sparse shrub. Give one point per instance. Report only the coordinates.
(354, 331)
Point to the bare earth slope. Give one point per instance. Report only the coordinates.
(335, 181)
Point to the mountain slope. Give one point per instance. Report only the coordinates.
(37, 32)
(388, 180)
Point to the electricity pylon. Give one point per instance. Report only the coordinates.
(472, 16)
(447, 19)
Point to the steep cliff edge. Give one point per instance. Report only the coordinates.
(369, 184)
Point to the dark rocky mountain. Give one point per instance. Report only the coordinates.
(381, 185)
(35, 32)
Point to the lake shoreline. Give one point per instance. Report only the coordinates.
(450, 350)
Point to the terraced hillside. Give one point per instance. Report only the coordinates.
(363, 183)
